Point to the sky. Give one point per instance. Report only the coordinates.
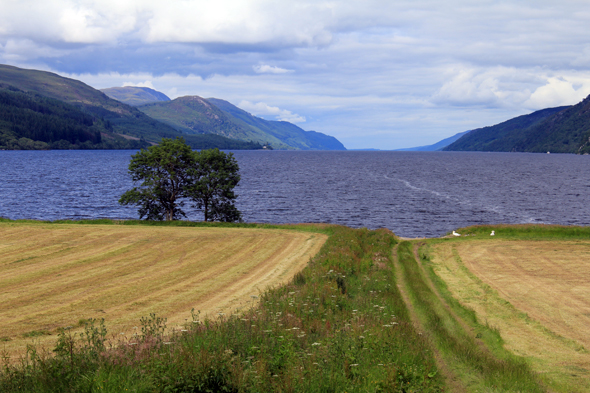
(383, 74)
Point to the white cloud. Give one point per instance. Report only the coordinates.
(140, 84)
(262, 109)
(559, 92)
(268, 69)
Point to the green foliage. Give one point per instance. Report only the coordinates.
(163, 171)
(152, 327)
(171, 172)
(215, 176)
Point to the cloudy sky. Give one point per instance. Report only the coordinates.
(382, 74)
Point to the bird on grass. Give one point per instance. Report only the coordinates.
(493, 233)
(456, 234)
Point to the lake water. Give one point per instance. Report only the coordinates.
(412, 193)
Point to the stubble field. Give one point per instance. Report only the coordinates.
(55, 276)
(535, 292)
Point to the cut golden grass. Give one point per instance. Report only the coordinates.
(537, 293)
(54, 276)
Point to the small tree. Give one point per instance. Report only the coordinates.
(172, 172)
(164, 173)
(215, 177)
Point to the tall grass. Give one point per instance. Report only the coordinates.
(482, 367)
(527, 231)
(339, 326)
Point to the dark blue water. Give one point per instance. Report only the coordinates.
(412, 193)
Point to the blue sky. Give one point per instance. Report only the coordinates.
(381, 74)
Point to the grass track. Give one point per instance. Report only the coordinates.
(480, 365)
(54, 275)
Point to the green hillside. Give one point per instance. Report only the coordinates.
(117, 121)
(196, 115)
(135, 96)
(285, 132)
(30, 121)
(563, 129)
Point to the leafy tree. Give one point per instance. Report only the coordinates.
(164, 173)
(171, 172)
(216, 174)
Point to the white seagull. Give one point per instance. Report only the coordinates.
(456, 234)
(493, 233)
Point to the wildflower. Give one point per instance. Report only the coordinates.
(314, 344)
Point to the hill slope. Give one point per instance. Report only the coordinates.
(563, 129)
(283, 131)
(135, 96)
(194, 114)
(119, 119)
(30, 121)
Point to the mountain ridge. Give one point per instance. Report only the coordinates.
(135, 95)
(116, 120)
(198, 115)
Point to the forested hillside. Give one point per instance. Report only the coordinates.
(563, 129)
(31, 121)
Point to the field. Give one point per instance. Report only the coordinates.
(536, 293)
(59, 275)
(296, 309)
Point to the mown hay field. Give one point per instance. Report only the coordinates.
(58, 275)
(535, 292)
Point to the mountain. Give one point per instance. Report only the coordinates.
(197, 115)
(564, 129)
(284, 132)
(114, 120)
(135, 96)
(438, 145)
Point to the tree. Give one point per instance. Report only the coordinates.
(164, 173)
(171, 173)
(216, 175)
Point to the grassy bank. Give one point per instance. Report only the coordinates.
(339, 325)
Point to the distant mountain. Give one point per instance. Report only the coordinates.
(438, 145)
(285, 132)
(32, 93)
(194, 114)
(563, 129)
(135, 96)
